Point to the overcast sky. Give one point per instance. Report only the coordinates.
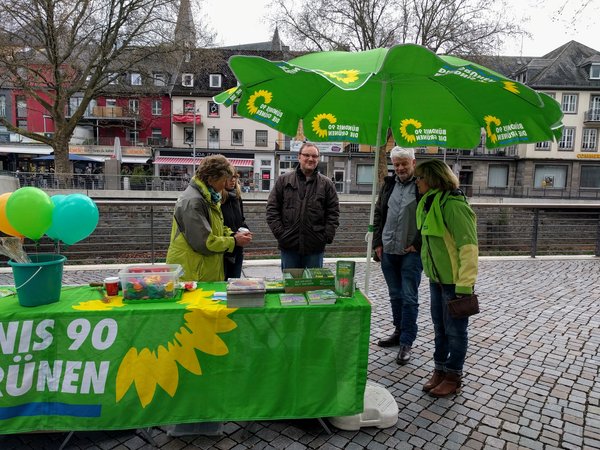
(240, 22)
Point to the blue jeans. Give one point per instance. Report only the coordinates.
(451, 338)
(403, 275)
(291, 259)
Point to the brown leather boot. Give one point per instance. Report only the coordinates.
(450, 385)
(436, 378)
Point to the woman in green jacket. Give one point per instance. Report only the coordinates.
(449, 253)
(199, 237)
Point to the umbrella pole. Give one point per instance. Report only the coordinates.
(369, 236)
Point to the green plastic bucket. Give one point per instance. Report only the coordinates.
(38, 282)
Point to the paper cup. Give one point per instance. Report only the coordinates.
(111, 285)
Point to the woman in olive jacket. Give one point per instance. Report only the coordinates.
(199, 238)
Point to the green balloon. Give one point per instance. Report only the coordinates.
(29, 211)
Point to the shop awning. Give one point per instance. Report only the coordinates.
(72, 157)
(29, 149)
(135, 159)
(187, 161)
(187, 118)
(242, 162)
(176, 160)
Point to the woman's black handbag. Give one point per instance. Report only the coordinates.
(463, 307)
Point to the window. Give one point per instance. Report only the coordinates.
(157, 107)
(156, 132)
(262, 138)
(134, 105)
(569, 103)
(521, 77)
(160, 79)
(237, 137)
(589, 143)
(550, 177)
(2, 106)
(590, 177)
(234, 109)
(566, 141)
(74, 103)
(189, 106)
(111, 102)
(213, 109)
(133, 136)
(215, 80)
(136, 79)
(594, 113)
(187, 80)
(22, 123)
(595, 72)
(265, 162)
(188, 135)
(364, 174)
(498, 176)
(545, 145)
(21, 106)
(213, 138)
(156, 137)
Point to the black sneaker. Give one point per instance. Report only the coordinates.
(403, 354)
(390, 341)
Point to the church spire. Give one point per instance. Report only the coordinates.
(276, 41)
(185, 30)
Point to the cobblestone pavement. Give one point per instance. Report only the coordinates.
(531, 375)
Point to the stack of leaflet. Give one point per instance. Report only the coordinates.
(321, 297)
(245, 292)
(292, 299)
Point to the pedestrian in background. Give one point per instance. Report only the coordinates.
(450, 254)
(397, 244)
(303, 212)
(233, 217)
(199, 237)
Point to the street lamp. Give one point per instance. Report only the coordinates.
(194, 147)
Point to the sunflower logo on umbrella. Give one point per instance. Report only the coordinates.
(404, 132)
(316, 124)
(489, 120)
(266, 98)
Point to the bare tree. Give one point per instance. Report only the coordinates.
(52, 50)
(445, 26)
(459, 27)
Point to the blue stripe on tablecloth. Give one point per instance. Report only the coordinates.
(50, 409)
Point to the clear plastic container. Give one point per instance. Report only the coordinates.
(154, 281)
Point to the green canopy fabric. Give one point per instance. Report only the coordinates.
(423, 98)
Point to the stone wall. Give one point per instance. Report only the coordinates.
(136, 231)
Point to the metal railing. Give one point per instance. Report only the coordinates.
(136, 231)
(47, 180)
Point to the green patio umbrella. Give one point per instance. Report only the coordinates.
(423, 98)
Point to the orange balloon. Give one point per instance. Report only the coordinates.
(5, 225)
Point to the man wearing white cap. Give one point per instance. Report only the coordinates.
(397, 244)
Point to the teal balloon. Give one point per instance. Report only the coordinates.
(29, 211)
(51, 232)
(75, 218)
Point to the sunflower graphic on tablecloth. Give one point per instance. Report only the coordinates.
(149, 367)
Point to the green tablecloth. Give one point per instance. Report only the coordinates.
(81, 364)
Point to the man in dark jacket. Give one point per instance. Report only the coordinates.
(303, 212)
(397, 243)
